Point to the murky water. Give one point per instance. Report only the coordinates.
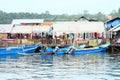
(100, 66)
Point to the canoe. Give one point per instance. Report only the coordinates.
(28, 48)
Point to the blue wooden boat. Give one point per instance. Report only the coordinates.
(68, 50)
(88, 50)
(97, 49)
(54, 50)
(81, 46)
(62, 51)
(81, 50)
(28, 48)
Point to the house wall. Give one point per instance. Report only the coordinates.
(3, 35)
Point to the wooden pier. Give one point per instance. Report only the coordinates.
(114, 48)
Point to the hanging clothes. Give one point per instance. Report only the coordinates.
(93, 35)
(90, 35)
(84, 36)
(98, 35)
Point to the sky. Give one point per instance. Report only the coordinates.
(60, 6)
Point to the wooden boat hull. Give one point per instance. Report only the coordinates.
(18, 49)
(83, 51)
(66, 50)
(97, 49)
(78, 50)
(54, 50)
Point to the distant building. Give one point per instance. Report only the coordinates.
(85, 19)
(4, 30)
(27, 22)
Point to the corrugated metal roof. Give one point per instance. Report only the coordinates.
(19, 21)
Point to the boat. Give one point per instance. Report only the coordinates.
(81, 46)
(54, 50)
(81, 49)
(23, 48)
(68, 50)
(74, 50)
(96, 49)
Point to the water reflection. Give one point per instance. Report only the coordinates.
(100, 66)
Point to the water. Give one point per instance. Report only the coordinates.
(100, 66)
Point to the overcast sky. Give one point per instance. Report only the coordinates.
(60, 6)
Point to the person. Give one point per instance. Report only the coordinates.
(118, 40)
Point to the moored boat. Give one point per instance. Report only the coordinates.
(29, 48)
(75, 50)
(81, 49)
(68, 50)
(96, 49)
(56, 50)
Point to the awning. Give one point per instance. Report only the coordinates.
(116, 28)
(22, 29)
(38, 29)
(79, 27)
(30, 29)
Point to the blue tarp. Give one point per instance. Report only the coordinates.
(113, 23)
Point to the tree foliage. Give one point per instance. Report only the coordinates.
(6, 18)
